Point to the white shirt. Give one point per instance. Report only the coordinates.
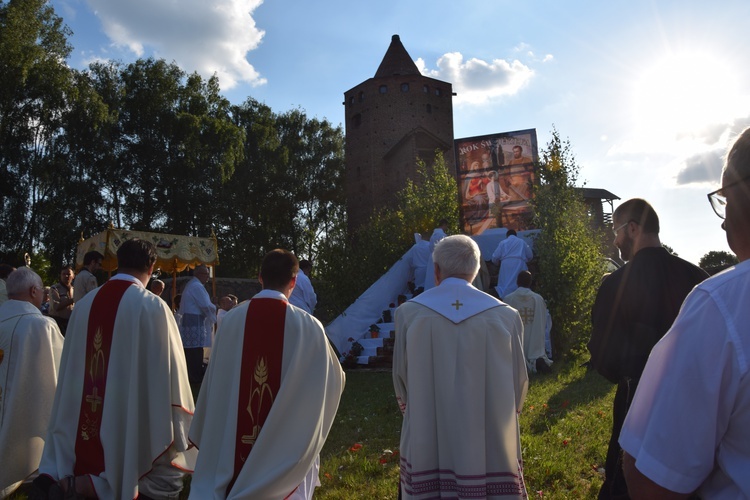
(687, 427)
(419, 257)
(303, 295)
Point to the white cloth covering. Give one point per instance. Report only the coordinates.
(298, 423)
(534, 315)
(460, 383)
(512, 254)
(687, 426)
(303, 295)
(148, 403)
(31, 346)
(198, 315)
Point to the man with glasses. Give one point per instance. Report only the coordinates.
(634, 308)
(687, 429)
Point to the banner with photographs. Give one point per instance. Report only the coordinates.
(496, 180)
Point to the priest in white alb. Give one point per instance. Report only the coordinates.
(123, 404)
(511, 254)
(530, 305)
(460, 381)
(30, 349)
(269, 398)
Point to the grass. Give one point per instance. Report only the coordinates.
(565, 426)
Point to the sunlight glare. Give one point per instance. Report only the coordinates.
(681, 94)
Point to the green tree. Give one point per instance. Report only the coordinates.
(568, 249)
(35, 85)
(716, 260)
(349, 269)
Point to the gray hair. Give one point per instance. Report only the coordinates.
(21, 280)
(457, 256)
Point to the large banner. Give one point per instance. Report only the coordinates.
(496, 179)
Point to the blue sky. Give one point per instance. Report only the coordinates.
(648, 92)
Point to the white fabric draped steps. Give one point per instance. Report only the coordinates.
(353, 325)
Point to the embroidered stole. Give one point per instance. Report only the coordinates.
(260, 374)
(88, 449)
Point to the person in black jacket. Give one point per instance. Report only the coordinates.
(634, 308)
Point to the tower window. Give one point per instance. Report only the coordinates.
(361, 96)
(351, 100)
(426, 89)
(383, 89)
(404, 87)
(357, 120)
(438, 92)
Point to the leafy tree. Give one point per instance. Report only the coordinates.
(35, 85)
(568, 248)
(716, 260)
(349, 269)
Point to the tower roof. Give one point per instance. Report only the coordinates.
(396, 61)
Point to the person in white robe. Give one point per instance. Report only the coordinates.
(30, 350)
(303, 295)
(420, 255)
(123, 403)
(438, 233)
(269, 399)
(198, 317)
(511, 254)
(460, 381)
(533, 311)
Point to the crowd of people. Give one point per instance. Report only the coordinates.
(107, 410)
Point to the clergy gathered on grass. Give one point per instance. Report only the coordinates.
(108, 411)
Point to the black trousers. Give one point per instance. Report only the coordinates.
(194, 361)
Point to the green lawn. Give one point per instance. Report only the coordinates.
(565, 426)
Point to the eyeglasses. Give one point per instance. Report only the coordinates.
(718, 200)
(614, 231)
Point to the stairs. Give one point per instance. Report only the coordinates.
(378, 352)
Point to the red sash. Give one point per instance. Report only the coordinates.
(260, 375)
(88, 450)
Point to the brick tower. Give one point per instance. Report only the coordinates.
(392, 120)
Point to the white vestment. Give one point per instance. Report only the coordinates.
(419, 257)
(30, 349)
(533, 313)
(512, 254)
(147, 406)
(198, 315)
(284, 456)
(460, 380)
(303, 295)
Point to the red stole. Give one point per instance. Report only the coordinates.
(260, 374)
(88, 450)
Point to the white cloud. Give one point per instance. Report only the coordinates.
(476, 81)
(207, 37)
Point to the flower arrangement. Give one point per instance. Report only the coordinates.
(374, 331)
(349, 358)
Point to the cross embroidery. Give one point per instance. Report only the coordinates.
(527, 315)
(457, 305)
(94, 400)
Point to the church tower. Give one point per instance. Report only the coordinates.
(392, 120)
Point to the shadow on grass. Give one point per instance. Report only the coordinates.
(583, 387)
